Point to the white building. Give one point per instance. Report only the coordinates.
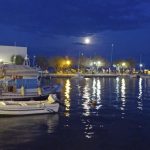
(6, 52)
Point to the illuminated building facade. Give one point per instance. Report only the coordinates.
(6, 52)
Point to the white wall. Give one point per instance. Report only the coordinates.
(7, 51)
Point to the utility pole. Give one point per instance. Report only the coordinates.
(112, 50)
(141, 65)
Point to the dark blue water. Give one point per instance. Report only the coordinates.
(101, 114)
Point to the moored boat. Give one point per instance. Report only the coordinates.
(19, 82)
(19, 108)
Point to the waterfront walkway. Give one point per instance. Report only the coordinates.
(84, 75)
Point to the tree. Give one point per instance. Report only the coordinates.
(60, 63)
(132, 62)
(129, 63)
(17, 59)
(42, 62)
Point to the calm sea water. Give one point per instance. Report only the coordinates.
(100, 114)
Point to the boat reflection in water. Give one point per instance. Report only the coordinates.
(17, 131)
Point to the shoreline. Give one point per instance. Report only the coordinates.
(85, 75)
(111, 75)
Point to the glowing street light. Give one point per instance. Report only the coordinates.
(34, 57)
(99, 63)
(68, 62)
(14, 59)
(123, 64)
(141, 65)
(86, 41)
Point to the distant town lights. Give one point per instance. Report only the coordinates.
(99, 63)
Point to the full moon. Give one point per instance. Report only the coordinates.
(87, 40)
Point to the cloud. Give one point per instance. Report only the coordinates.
(73, 18)
(79, 43)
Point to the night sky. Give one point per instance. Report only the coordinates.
(58, 27)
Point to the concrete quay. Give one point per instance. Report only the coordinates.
(84, 75)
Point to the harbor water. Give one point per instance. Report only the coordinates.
(97, 114)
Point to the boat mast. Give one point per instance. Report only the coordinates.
(79, 62)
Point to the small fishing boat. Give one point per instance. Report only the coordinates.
(18, 108)
(19, 82)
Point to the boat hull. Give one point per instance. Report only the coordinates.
(31, 95)
(19, 110)
(24, 98)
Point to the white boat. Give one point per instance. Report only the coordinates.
(18, 108)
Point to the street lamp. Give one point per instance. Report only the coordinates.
(67, 65)
(141, 65)
(68, 62)
(14, 59)
(112, 49)
(86, 41)
(99, 63)
(123, 65)
(34, 57)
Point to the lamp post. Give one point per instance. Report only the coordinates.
(123, 66)
(99, 63)
(14, 59)
(26, 61)
(68, 62)
(67, 65)
(111, 57)
(112, 50)
(141, 66)
(34, 57)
